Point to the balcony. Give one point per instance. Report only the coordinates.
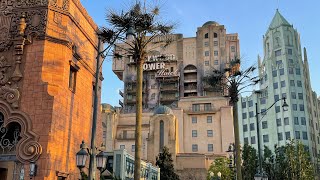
(118, 67)
(120, 92)
(120, 103)
(168, 98)
(126, 137)
(190, 80)
(131, 101)
(168, 88)
(201, 109)
(190, 88)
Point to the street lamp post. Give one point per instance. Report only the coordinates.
(259, 175)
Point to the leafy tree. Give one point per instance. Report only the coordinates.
(221, 165)
(165, 163)
(233, 80)
(143, 27)
(268, 162)
(250, 162)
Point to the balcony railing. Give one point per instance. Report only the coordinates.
(120, 103)
(168, 98)
(121, 93)
(189, 80)
(201, 109)
(126, 137)
(168, 88)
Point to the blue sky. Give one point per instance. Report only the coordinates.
(249, 18)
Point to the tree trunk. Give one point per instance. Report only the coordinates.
(237, 140)
(138, 139)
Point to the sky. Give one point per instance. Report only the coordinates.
(249, 18)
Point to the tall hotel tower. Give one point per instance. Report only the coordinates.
(180, 110)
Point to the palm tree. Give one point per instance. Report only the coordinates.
(233, 81)
(137, 28)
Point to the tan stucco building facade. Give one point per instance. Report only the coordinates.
(180, 110)
(47, 60)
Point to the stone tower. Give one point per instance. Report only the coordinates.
(47, 61)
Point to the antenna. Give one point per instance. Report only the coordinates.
(278, 3)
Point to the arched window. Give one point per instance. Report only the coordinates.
(206, 36)
(161, 136)
(215, 35)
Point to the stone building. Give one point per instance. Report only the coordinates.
(180, 110)
(284, 71)
(47, 60)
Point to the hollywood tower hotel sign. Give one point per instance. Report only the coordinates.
(157, 62)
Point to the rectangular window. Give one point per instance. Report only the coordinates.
(243, 104)
(297, 134)
(132, 148)
(206, 53)
(301, 107)
(277, 109)
(233, 49)
(276, 97)
(286, 121)
(194, 133)
(250, 103)
(72, 78)
(290, 51)
(278, 53)
(215, 43)
(283, 83)
(246, 140)
(296, 120)
(280, 137)
(253, 139)
(293, 95)
(300, 95)
(209, 119)
(290, 70)
(215, 53)
(210, 147)
(303, 121)
(122, 146)
(206, 44)
(244, 115)
(263, 101)
(207, 107)
(263, 111)
(295, 107)
(299, 84)
(292, 83)
(209, 133)
(252, 127)
(279, 62)
(305, 135)
(275, 85)
(265, 138)
(284, 95)
(264, 124)
(194, 147)
(251, 114)
(194, 120)
(298, 71)
(206, 63)
(195, 107)
(287, 135)
(216, 62)
(274, 73)
(245, 128)
(278, 122)
(281, 71)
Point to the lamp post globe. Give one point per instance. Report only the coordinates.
(285, 106)
(101, 160)
(81, 156)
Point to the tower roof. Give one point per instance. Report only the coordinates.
(162, 110)
(278, 20)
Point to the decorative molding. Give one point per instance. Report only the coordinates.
(27, 148)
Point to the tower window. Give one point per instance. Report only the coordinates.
(161, 135)
(72, 78)
(206, 36)
(278, 53)
(215, 35)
